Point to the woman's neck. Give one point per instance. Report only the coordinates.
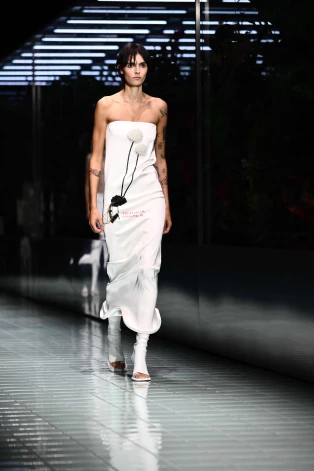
(132, 94)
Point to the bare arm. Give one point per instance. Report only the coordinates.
(161, 163)
(96, 164)
(86, 185)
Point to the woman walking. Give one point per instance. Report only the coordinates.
(130, 130)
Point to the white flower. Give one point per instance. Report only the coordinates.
(135, 135)
(141, 149)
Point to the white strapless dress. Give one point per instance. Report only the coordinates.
(134, 239)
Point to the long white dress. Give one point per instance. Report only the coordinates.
(134, 238)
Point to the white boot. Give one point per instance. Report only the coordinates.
(114, 345)
(139, 358)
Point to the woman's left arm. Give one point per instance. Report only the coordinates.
(161, 164)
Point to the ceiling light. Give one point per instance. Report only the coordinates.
(100, 31)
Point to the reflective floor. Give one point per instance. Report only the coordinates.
(62, 409)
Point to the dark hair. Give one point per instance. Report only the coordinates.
(129, 51)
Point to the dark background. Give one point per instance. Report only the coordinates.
(26, 18)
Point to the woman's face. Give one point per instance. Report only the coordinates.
(135, 72)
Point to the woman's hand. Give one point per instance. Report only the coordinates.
(95, 221)
(168, 222)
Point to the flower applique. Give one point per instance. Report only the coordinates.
(135, 136)
(141, 148)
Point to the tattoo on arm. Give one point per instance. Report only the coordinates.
(162, 156)
(93, 171)
(164, 181)
(156, 167)
(163, 113)
(159, 145)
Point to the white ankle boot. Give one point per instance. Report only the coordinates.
(139, 358)
(114, 344)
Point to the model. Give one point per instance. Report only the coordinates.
(130, 126)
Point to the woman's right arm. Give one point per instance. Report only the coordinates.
(95, 163)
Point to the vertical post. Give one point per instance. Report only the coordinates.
(36, 142)
(199, 121)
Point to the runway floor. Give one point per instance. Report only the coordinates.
(62, 409)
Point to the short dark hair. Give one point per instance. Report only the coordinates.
(129, 51)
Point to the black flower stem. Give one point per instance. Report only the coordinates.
(126, 171)
(132, 175)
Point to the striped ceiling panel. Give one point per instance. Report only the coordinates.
(86, 39)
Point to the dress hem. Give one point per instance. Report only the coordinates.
(126, 315)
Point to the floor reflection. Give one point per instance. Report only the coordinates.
(91, 305)
(138, 442)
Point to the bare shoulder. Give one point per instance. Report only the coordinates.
(159, 103)
(103, 107)
(104, 103)
(161, 108)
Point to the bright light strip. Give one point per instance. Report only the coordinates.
(110, 61)
(100, 31)
(203, 31)
(76, 48)
(56, 61)
(91, 40)
(167, 40)
(117, 22)
(18, 67)
(153, 48)
(13, 78)
(44, 77)
(89, 72)
(157, 40)
(229, 12)
(52, 72)
(60, 61)
(14, 83)
(136, 11)
(58, 67)
(112, 83)
(18, 72)
(38, 67)
(64, 54)
(245, 31)
(217, 23)
(235, 1)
